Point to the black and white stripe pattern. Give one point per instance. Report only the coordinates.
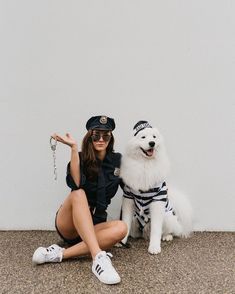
(99, 269)
(140, 125)
(142, 200)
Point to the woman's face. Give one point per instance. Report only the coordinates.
(100, 139)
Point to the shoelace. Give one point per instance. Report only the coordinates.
(52, 252)
(50, 249)
(109, 254)
(105, 260)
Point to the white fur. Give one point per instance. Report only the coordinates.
(134, 162)
(142, 172)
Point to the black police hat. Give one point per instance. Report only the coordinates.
(100, 122)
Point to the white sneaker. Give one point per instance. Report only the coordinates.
(53, 253)
(103, 269)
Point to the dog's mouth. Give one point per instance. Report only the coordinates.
(148, 152)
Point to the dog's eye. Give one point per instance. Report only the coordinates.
(154, 136)
(143, 137)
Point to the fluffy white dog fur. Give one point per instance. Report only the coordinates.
(143, 168)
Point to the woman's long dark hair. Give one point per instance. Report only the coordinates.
(90, 161)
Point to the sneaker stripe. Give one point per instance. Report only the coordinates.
(103, 269)
(97, 267)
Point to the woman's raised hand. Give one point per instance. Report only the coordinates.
(67, 139)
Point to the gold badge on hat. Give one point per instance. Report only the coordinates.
(116, 171)
(103, 120)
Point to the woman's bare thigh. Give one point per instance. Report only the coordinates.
(64, 219)
(116, 229)
(105, 225)
(116, 225)
(65, 224)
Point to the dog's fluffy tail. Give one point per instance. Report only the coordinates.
(183, 210)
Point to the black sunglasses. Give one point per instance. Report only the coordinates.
(96, 137)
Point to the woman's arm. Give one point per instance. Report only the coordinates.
(74, 165)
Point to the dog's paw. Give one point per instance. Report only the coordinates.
(122, 245)
(118, 245)
(124, 240)
(167, 238)
(154, 249)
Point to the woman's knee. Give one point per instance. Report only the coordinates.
(78, 195)
(120, 229)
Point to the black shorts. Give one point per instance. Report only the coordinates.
(96, 220)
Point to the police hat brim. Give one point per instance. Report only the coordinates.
(103, 128)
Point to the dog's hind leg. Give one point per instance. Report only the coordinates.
(157, 212)
(135, 229)
(146, 231)
(171, 227)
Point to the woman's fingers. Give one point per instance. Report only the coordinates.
(57, 137)
(54, 136)
(67, 139)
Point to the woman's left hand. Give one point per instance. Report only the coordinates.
(67, 139)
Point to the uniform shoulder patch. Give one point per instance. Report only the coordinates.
(116, 171)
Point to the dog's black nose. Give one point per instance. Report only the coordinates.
(151, 143)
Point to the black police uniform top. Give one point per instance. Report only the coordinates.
(99, 192)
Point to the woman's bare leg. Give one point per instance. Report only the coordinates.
(74, 219)
(107, 234)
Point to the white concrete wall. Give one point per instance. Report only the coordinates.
(170, 62)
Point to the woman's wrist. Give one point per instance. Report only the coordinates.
(74, 147)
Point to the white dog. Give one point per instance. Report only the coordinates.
(148, 209)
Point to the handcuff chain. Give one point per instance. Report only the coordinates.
(53, 148)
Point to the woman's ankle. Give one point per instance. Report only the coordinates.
(95, 253)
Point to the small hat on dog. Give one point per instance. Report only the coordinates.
(140, 125)
(100, 122)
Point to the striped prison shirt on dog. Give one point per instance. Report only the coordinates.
(143, 199)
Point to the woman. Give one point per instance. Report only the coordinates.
(93, 176)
